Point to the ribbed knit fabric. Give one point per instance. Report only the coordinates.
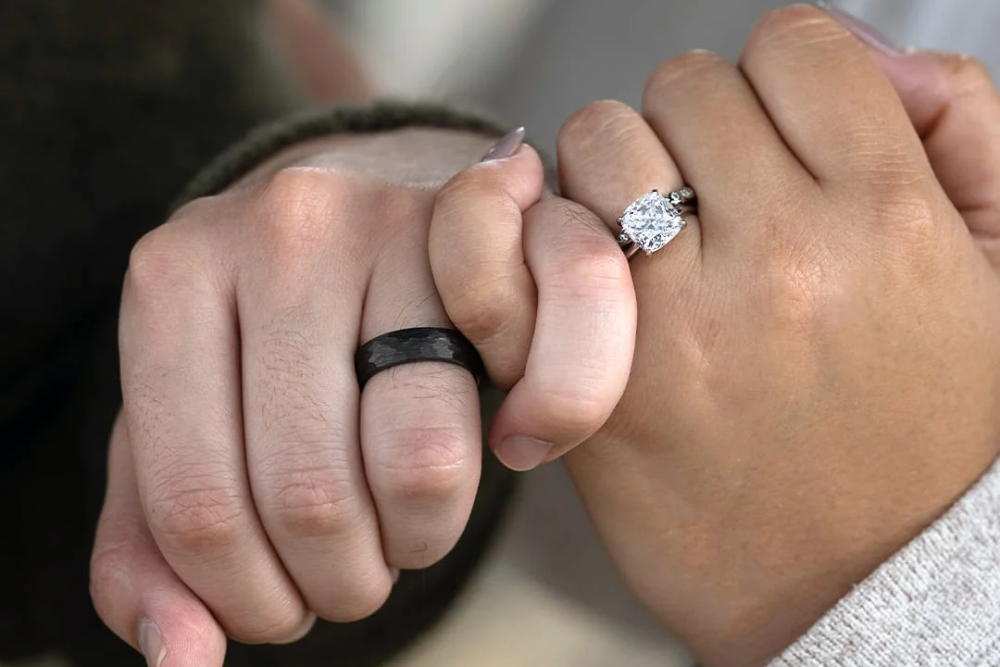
(936, 603)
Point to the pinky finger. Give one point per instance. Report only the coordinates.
(134, 590)
(581, 353)
(476, 254)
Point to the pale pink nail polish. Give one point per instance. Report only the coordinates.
(506, 146)
(863, 30)
(151, 643)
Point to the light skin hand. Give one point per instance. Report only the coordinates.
(245, 461)
(544, 292)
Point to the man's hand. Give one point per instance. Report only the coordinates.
(251, 487)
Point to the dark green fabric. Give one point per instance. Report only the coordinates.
(267, 140)
(107, 108)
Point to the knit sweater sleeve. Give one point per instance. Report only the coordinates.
(268, 140)
(936, 603)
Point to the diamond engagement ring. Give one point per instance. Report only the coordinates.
(653, 220)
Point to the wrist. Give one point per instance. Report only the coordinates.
(266, 142)
(422, 157)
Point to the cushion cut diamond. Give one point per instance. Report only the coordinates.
(651, 222)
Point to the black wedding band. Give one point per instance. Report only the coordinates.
(410, 346)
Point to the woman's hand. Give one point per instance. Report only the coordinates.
(251, 486)
(817, 367)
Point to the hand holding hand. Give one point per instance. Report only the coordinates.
(252, 487)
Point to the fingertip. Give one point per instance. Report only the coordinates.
(522, 453)
(181, 636)
(519, 178)
(505, 146)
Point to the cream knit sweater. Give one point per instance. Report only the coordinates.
(936, 603)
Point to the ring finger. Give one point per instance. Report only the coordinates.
(609, 157)
(420, 423)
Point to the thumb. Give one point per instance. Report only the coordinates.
(134, 590)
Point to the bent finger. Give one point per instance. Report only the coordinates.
(134, 590)
(581, 352)
(477, 258)
(182, 404)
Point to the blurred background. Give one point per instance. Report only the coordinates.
(548, 597)
(537, 61)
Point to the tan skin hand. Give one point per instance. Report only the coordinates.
(817, 373)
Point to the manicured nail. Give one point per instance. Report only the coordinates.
(151, 643)
(505, 147)
(864, 31)
(521, 453)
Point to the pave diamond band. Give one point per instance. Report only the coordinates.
(653, 220)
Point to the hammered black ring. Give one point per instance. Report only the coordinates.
(410, 346)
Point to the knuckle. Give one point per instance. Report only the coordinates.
(692, 64)
(796, 281)
(793, 291)
(912, 226)
(485, 306)
(599, 271)
(273, 626)
(359, 600)
(426, 466)
(580, 408)
(205, 518)
(300, 206)
(109, 572)
(313, 503)
(467, 190)
(970, 75)
(161, 261)
(590, 123)
(790, 25)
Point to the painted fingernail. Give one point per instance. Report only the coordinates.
(521, 453)
(863, 30)
(151, 643)
(505, 147)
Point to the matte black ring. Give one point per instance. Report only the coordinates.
(410, 346)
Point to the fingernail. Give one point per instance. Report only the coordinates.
(863, 30)
(505, 147)
(521, 453)
(151, 643)
(395, 573)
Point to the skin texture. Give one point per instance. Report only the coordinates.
(244, 452)
(547, 300)
(816, 373)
